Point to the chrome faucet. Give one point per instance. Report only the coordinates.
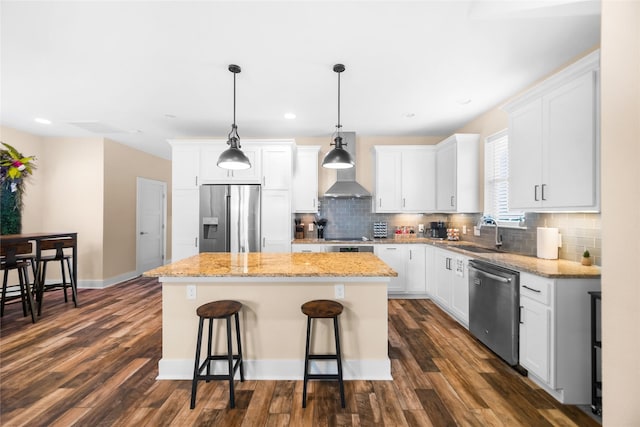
(498, 238)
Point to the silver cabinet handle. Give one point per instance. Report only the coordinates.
(451, 201)
(543, 185)
(391, 249)
(314, 202)
(196, 180)
(404, 202)
(380, 202)
(531, 289)
(196, 242)
(535, 192)
(410, 254)
(520, 315)
(143, 232)
(264, 242)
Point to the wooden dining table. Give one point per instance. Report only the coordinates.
(37, 238)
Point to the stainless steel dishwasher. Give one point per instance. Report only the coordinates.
(494, 296)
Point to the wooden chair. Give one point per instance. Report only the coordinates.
(57, 245)
(17, 256)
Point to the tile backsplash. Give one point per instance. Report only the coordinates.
(354, 218)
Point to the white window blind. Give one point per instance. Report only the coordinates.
(496, 172)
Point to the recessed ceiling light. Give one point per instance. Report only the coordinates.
(289, 116)
(464, 101)
(170, 116)
(42, 121)
(409, 115)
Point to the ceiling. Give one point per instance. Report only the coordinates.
(140, 73)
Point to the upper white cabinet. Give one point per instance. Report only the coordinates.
(277, 167)
(305, 179)
(554, 142)
(458, 174)
(212, 174)
(185, 166)
(404, 178)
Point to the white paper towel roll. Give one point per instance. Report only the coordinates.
(548, 243)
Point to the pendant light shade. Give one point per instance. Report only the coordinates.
(338, 158)
(233, 157)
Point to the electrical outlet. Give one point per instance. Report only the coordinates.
(420, 228)
(476, 231)
(310, 226)
(191, 292)
(464, 229)
(339, 291)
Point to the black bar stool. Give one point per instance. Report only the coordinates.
(322, 309)
(16, 256)
(57, 245)
(218, 310)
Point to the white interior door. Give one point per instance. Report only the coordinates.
(151, 210)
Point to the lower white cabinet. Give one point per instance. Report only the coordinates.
(451, 287)
(409, 261)
(555, 340)
(307, 248)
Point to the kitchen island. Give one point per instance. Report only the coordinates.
(272, 288)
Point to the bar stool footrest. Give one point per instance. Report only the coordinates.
(225, 358)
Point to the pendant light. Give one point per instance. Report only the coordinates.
(338, 158)
(233, 157)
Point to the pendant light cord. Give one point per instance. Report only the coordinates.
(338, 126)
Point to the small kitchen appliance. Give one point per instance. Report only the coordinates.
(438, 230)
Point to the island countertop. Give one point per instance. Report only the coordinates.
(258, 264)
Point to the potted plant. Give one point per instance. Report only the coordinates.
(14, 168)
(586, 257)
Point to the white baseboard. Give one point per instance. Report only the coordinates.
(105, 283)
(371, 369)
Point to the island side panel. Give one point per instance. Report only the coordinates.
(273, 327)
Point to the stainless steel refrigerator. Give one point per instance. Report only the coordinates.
(230, 218)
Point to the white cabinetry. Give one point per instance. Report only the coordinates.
(185, 166)
(305, 179)
(393, 256)
(451, 283)
(554, 142)
(184, 226)
(276, 221)
(404, 178)
(307, 248)
(458, 174)
(276, 167)
(409, 261)
(212, 174)
(555, 336)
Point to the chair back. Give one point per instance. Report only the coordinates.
(10, 251)
(58, 245)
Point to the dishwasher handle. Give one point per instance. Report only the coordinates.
(492, 276)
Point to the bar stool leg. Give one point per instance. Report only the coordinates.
(4, 291)
(306, 365)
(239, 347)
(209, 347)
(64, 280)
(74, 287)
(232, 400)
(339, 360)
(196, 369)
(23, 276)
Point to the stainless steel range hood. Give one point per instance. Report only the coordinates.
(346, 185)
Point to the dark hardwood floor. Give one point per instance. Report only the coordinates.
(96, 366)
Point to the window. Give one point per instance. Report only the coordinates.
(496, 180)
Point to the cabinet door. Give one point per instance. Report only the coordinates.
(388, 181)
(184, 225)
(306, 248)
(393, 256)
(430, 275)
(418, 180)
(446, 178)
(212, 174)
(535, 336)
(276, 168)
(525, 156)
(443, 277)
(569, 178)
(276, 221)
(305, 180)
(185, 167)
(415, 268)
(460, 290)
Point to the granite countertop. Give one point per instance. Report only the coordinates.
(257, 264)
(557, 268)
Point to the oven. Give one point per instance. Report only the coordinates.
(349, 248)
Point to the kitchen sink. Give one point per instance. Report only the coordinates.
(477, 249)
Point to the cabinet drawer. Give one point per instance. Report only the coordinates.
(535, 287)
